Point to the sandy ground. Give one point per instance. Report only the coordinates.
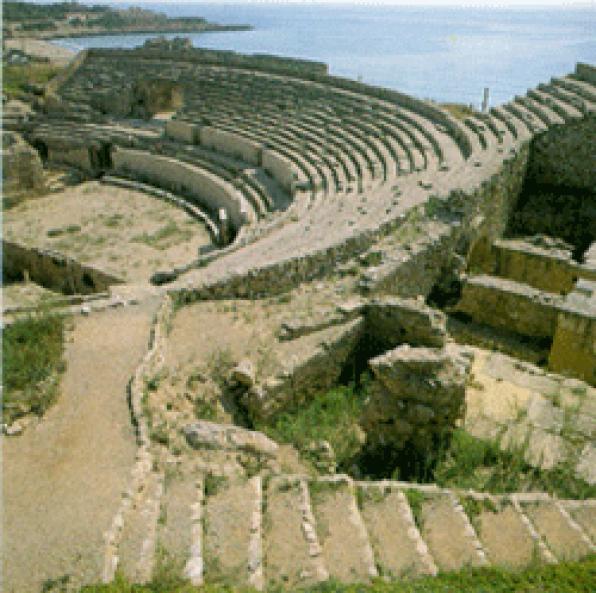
(63, 478)
(41, 49)
(122, 232)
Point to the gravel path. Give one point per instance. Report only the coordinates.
(62, 480)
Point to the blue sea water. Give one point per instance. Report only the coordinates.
(445, 54)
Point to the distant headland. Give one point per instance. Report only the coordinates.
(71, 19)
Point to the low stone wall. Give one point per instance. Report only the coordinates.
(52, 270)
(211, 192)
(183, 131)
(282, 170)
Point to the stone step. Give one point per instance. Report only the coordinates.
(175, 529)
(232, 531)
(292, 554)
(510, 305)
(583, 512)
(446, 530)
(397, 544)
(347, 551)
(544, 266)
(502, 531)
(564, 538)
(136, 552)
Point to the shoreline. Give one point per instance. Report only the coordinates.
(47, 36)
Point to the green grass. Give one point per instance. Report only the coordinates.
(567, 577)
(32, 350)
(15, 78)
(331, 416)
(482, 465)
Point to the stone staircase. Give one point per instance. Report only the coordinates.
(532, 288)
(294, 530)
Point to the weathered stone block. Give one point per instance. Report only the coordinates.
(416, 394)
(509, 305)
(204, 434)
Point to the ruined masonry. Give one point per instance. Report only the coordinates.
(398, 223)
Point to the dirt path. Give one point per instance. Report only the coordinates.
(62, 480)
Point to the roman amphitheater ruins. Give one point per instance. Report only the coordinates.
(246, 232)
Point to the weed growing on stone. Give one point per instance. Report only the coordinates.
(32, 351)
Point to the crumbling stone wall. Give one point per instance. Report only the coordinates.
(416, 397)
(52, 270)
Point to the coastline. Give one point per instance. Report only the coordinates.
(98, 32)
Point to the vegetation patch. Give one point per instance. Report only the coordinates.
(481, 465)
(415, 499)
(566, 577)
(18, 80)
(32, 358)
(459, 110)
(331, 416)
(214, 484)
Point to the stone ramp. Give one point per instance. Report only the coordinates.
(64, 477)
(137, 550)
(584, 514)
(174, 533)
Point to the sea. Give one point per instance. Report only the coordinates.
(439, 53)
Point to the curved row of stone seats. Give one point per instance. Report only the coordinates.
(571, 97)
(541, 111)
(531, 121)
(300, 128)
(161, 194)
(563, 109)
(346, 93)
(583, 89)
(297, 531)
(430, 136)
(286, 167)
(210, 190)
